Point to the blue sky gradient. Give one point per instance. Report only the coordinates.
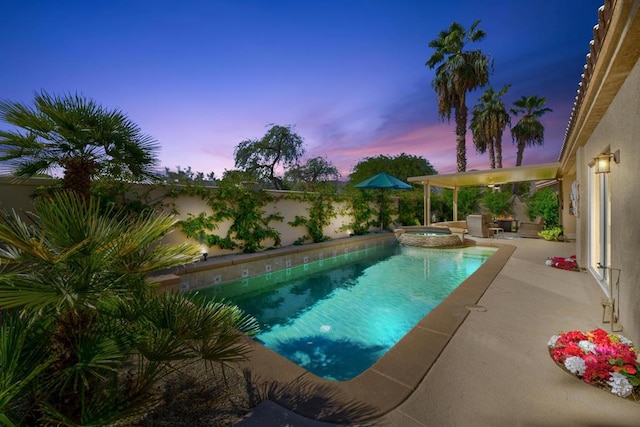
(349, 75)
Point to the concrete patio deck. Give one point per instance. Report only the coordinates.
(495, 368)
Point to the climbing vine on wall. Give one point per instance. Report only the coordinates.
(233, 200)
(321, 211)
(359, 207)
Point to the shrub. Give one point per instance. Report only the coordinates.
(544, 203)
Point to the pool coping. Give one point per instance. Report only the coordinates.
(390, 380)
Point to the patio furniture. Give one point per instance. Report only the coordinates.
(497, 232)
(531, 229)
(505, 224)
(478, 225)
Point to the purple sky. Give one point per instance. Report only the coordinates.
(350, 76)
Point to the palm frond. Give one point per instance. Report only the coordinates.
(22, 359)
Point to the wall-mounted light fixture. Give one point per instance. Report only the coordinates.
(603, 161)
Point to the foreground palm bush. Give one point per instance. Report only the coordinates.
(84, 339)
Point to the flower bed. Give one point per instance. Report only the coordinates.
(606, 360)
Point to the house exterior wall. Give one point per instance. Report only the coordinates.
(567, 208)
(619, 129)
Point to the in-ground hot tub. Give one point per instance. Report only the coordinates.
(427, 237)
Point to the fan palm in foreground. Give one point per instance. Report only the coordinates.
(84, 337)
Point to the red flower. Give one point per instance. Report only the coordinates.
(598, 367)
(606, 356)
(599, 337)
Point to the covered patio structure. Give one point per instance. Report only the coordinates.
(476, 178)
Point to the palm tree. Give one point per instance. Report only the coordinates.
(490, 118)
(84, 337)
(529, 131)
(76, 134)
(459, 72)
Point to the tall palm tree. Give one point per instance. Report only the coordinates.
(529, 131)
(84, 337)
(76, 134)
(460, 71)
(490, 118)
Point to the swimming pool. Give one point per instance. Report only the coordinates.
(337, 322)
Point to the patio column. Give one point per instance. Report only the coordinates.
(427, 203)
(455, 203)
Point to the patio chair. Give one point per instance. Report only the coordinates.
(531, 229)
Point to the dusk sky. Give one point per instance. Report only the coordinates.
(350, 76)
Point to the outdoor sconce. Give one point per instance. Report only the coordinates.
(603, 161)
(204, 256)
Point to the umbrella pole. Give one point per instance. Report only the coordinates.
(382, 209)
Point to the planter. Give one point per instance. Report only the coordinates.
(604, 360)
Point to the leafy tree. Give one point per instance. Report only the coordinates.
(182, 176)
(84, 337)
(76, 134)
(279, 147)
(521, 189)
(490, 118)
(544, 203)
(313, 171)
(468, 202)
(460, 71)
(411, 207)
(529, 131)
(498, 202)
(401, 166)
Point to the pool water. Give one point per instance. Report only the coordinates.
(337, 317)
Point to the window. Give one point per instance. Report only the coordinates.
(599, 227)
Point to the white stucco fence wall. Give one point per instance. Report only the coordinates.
(18, 196)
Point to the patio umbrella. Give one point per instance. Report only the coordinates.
(383, 181)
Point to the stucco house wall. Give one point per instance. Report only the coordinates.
(606, 119)
(619, 129)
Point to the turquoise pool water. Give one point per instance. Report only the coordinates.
(337, 317)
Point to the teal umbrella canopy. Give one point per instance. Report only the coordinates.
(383, 181)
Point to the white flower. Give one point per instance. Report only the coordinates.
(552, 341)
(588, 346)
(548, 262)
(625, 340)
(620, 385)
(575, 365)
